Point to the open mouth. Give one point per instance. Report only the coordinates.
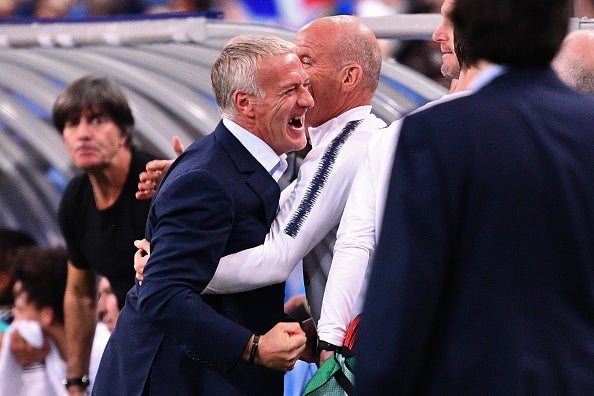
(296, 122)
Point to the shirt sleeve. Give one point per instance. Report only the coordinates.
(307, 215)
(356, 238)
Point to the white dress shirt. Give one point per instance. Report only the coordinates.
(260, 150)
(358, 233)
(310, 210)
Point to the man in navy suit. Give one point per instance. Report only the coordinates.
(217, 198)
(483, 280)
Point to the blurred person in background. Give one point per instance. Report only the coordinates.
(177, 6)
(99, 215)
(10, 240)
(52, 8)
(583, 8)
(113, 7)
(32, 358)
(7, 8)
(108, 308)
(422, 55)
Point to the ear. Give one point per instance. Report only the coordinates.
(350, 76)
(123, 137)
(47, 317)
(243, 103)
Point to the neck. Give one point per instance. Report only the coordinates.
(466, 78)
(108, 182)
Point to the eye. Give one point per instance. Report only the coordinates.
(306, 62)
(98, 119)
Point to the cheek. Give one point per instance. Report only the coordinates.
(112, 304)
(69, 142)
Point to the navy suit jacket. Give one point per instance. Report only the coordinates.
(215, 200)
(483, 280)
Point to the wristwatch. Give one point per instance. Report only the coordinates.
(326, 346)
(83, 382)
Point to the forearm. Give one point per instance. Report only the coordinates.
(80, 322)
(343, 288)
(260, 266)
(354, 246)
(273, 261)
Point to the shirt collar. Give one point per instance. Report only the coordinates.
(487, 75)
(261, 151)
(317, 135)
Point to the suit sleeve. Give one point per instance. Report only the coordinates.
(191, 221)
(407, 275)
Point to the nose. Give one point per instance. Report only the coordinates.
(305, 99)
(101, 305)
(439, 33)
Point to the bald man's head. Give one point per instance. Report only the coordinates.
(575, 61)
(343, 59)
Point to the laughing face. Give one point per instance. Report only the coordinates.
(280, 113)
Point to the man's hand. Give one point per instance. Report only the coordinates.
(155, 170)
(26, 354)
(280, 348)
(141, 257)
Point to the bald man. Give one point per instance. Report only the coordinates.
(575, 61)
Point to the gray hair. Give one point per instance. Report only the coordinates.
(237, 66)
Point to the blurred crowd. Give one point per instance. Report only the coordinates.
(422, 56)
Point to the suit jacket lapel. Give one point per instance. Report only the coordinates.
(256, 177)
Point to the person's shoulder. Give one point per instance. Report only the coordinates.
(202, 155)
(373, 122)
(76, 186)
(439, 110)
(141, 157)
